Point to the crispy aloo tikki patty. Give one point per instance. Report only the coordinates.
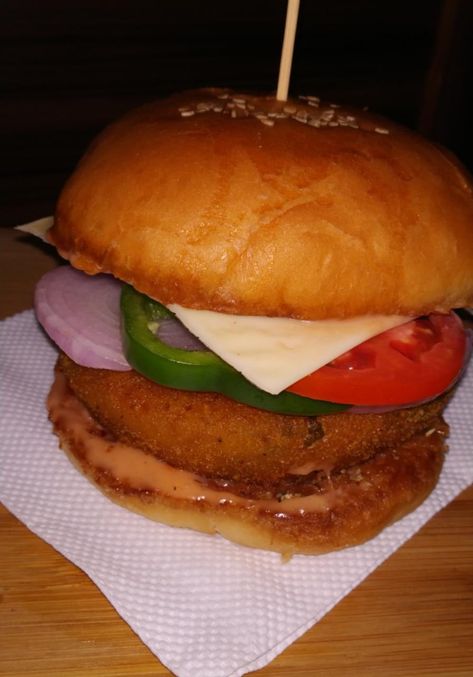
(208, 434)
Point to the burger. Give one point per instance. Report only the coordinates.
(256, 330)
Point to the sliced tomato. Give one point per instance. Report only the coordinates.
(410, 363)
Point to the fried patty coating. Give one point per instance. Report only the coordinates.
(211, 435)
(352, 506)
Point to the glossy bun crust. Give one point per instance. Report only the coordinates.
(246, 205)
(395, 485)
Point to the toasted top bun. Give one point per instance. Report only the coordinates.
(246, 205)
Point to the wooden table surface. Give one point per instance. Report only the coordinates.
(413, 616)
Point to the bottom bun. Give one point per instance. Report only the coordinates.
(359, 503)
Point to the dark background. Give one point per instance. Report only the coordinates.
(70, 66)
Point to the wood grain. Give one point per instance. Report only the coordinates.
(413, 616)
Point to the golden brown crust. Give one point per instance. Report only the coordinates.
(271, 216)
(209, 434)
(385, 488)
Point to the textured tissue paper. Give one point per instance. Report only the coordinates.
(205, 607)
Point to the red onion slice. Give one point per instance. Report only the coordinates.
(81, 313)
(173, 333)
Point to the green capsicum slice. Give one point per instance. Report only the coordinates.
(197, 370)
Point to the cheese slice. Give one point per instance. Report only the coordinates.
(275, 352)
(37, 228)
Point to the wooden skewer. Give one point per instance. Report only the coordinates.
(287, 50)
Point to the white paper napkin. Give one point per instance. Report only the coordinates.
(205, 607)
